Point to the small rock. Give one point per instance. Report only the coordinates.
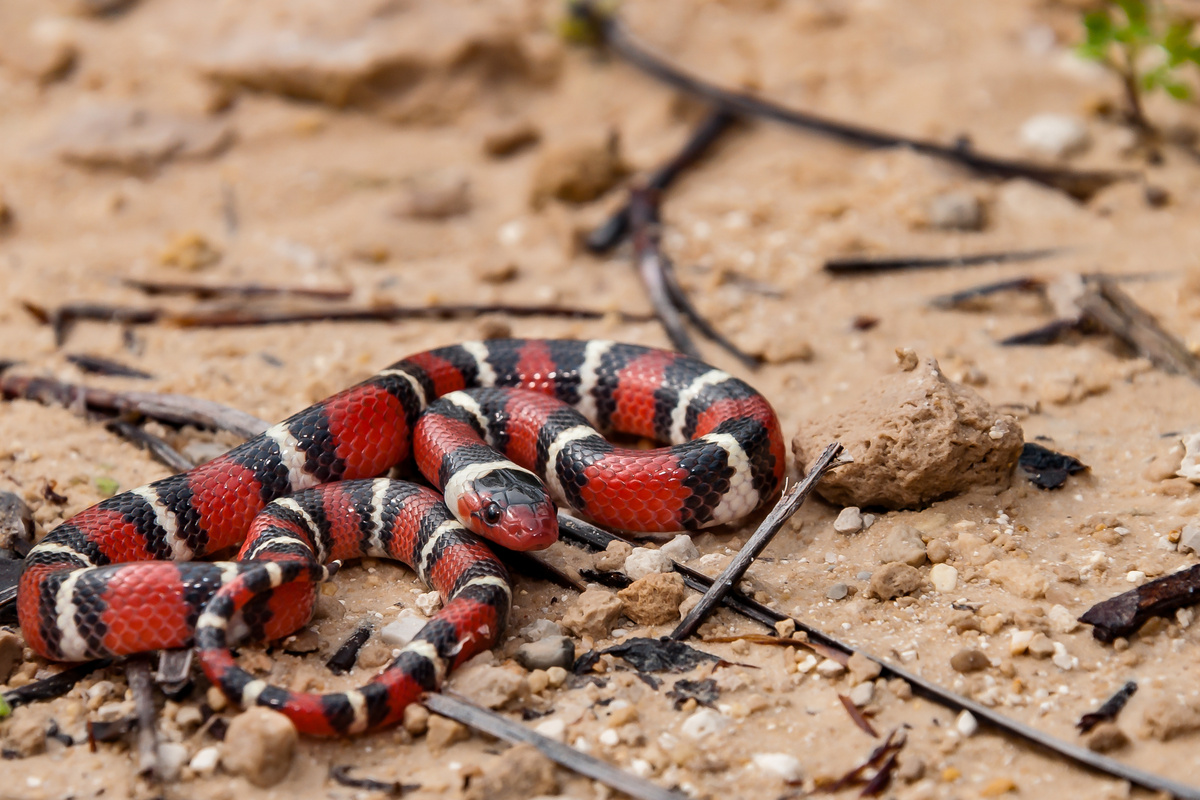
(490, 686)
(1055, 135)
(436, 196)
(938, 552)
(653, 599)
(259, 745)
(1166, 718)
(171, 758)
(781, 764)
(956, 211)
(1105, 738)
(303, 641)
(863, 669)
(11, 654)
(829, 668)
(1062, 658)
(16, 520)
(613, 557)
(862, 694)
(966, 724)
(904, 545)
(329, 608)
(1062, 620)
(680, 549)
(519, 774)
(1189, 466)
(205, 761)
(704, 722)
(594, 613)
(541, 629)
(443, 732)
(943, 576)
(416, 719)
(894, 580)
(969, 661)
(1019, 577)
(1189, 538)
(25, 733)
(554, 729)
(134, 140)
(998, 786)
(189, 252)
(403, 629)
(429, 603)
(643, 561)
(1019, 642)
(849, 520)
(837, 591)
(1041, 646)
(509, 137)
(577, 171)
(555, 651)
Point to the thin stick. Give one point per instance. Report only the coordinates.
(614, 230)
(788, 505)
(501, 727)
(1111, 308)
(966, 296)
(607, 29)
(99, 365)
(55, 686)
(211, 290)
(681, 301)
(156, 446)
(867, 266)
(137, 673)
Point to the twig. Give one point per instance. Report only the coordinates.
(1050, 333)
(173, 409)
(137, 673)
(857, 716)
(965, 297)
(156, 446)
(344, 659)
(862, 266)
(573, 529)
(614, 230)
(788, 505)
(341, 775)
(55, 685)
(605, 28)
(207, 291)
(503, 728)
(1109, 709)
(1125, 613)
(98, 365)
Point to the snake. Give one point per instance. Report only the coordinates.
(505, 431)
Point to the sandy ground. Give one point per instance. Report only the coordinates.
(305, 183)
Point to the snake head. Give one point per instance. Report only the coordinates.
(510, 507)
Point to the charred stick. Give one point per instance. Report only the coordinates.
(207, 291)
(1050, 333)
(614, 230)
(604, 27)
(503, 728)
(965, 297)
(681, 301)
(54, 686)
(788, 505)
(341, 776)
(344, 659)
(137, 673)
(865, 266)
(162, 452)
(1109, 710)
(98, 365)
(1125, 613)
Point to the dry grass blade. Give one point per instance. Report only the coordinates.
(855, 714)
(870, 266)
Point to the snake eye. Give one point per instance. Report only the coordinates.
(492, 513)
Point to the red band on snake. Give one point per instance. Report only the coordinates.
(503, 428)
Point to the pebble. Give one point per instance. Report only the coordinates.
(1189, 538)
(943, 577)
(894, 580)
(837, 592)
(402, 631)
(205, 761)
(830, 669)
(1062, 620)
(429, 603)
(1105, 738)
(1055, 135)
(969, 661)
(554, 729)
(863, 668)
(849, 520)
(613, 556)
(653, 599)
(863, 575)
(521, 773)
(509, 136)
(1041, 646)
(966, 723)
(416, 719)
(443, 732)
(438, 195)
(594, 613)
(998, 786)
(1063, 659)
(862, 694)
(1135, 576)
(902, 545)
(16, 520)
(557, 676)
(781, 764)
(490, 686)
(704, 722)
(1189, 467)
(553, 651)
(171, 758)
(1019, 642)
(681, 549)
(259, 745)
(643, 561)
(11, 651)
(541, 629)
(956, 211)
(25, 733)
(577, 171)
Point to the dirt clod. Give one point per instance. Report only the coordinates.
(1105, 738)
(894, 580)
(1166, 717)
(577, 170)
(519, 774)
(259, 745)
(594, 613)
(969, 661)
(654, 599)
(443, 732)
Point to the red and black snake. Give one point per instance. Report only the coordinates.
(306, 493)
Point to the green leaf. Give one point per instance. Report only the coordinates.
(1179, 91)
(5, 710)
(106, 485)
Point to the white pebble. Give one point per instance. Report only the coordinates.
(703, 723)
(944, 577)
(402, 631)
(849, 520)
(609, 737)
(1135, 576)
(1020, 642)
(1184, 617)
(830, 668)
(541, 629)
(205, 761)
(1189, 538)
(781, 764)
(966, 723)
(1055, 135)
(554, 729)
(862, 694)
(807, 664)
(681, 549)
(641, 767)
(429, 603)
(1062, 620)
(1062, 659)
(171, 758)
(643, 561)
(1189, 467)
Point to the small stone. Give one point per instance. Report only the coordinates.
(304, 641)
(205, 761)
(594, 613)
(1105, 738)
(541, 629)
(969, 661)
(1189, 538)
(1062, 620)
(443, 732)
(938, 551)
(781, 764)
(215, 699)
(416, 719)
(862, 694)
(863, 669)
(436, 196)
(703, 723)
(653, 599)
(1055, 135)
(998, 786)
(785, 627)
(510, 136)
(259, 745)
(1041, 646)
(904, 545)
(429, 603)
(829, 668)
(681, 549)
(1135, 576)
(25, 732)
(956, 211)
(849, 520)
(1062, 658)
(894, 580)
(171, 758)
(966, 724)
(577, 171)
(11, 654)
(491, 686)
(522, 772)
(613, 557)
(190, 252)
(644, 561)
(16, 520)
(557, 676)
(1019, 642)
(943, 577)
(1189, 466)
(135, 140)
(554, 729)
(555, 651)
(403, 629)
(837, 591)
